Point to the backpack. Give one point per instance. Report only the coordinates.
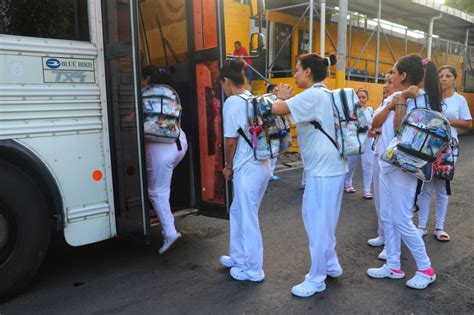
(350, 124)
(162, 113)
(268, 134)
(419, 143)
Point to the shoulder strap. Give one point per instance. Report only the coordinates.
(317, 125)
(242, 133)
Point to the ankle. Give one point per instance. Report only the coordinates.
(429, 272)
(399, 271)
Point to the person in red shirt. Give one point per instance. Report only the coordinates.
(239, 50)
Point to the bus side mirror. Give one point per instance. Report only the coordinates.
(256, 43)
(257, 7)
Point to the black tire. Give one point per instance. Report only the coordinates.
(23, 210)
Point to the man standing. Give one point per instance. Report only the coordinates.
(239, 50)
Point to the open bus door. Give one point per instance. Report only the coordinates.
(137, 33)
(123, 88)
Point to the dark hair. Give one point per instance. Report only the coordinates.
(237, 42)
(417, 70)
(317, 64)
(364, 91)
(450, 69)
(233, 70)
(270, 87)
(157, 75)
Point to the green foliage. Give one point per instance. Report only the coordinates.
(43, 18)
(463, 5)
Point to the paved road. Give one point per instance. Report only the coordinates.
(122, 276)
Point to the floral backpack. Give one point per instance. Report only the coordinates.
(268, 135)
(162, 113)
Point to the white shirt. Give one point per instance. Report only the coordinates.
(455, 107)
(388, 127)
(369, 116)
(321, 158)
(235, 117)
(379, 146)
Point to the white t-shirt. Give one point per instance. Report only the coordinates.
(235, 117)
(369, 116)
(455, 107)
(388, 127)
(321, 158)
(379, 146)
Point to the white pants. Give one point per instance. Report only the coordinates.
(376, 179)
(274, 163)
(249, 183)
(161, 159)
(322, 200)
(397, 194)
(441, 203)
(367, 160)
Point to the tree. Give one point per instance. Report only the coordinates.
(463, 5)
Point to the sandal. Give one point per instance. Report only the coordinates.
(368, 196)
(420, 281)
(441, 235)
(350, 190)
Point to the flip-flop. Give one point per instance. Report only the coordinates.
(350, 190)
(368, 196)
(441, 235)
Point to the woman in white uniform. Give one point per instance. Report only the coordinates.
(367, 157)
(388, 90)
(323, 166)
(250, 179)
(398, 188)
(455, 108)
(161, 159)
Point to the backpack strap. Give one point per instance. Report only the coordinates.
(242, 133)
(317, 125)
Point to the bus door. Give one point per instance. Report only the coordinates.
(207, 55)
(123, 88)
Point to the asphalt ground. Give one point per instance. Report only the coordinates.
(122, 276)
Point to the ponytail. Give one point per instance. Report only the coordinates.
(432, 88)
(417, 70)
(317, 64)
(233, 70)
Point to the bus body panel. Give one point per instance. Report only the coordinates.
(53, 102)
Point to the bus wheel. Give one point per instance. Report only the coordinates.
(24, 229)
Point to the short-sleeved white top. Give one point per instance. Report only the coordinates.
(235, 117)
(455, 107)
(321, 158)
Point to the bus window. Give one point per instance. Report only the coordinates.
(210, 132)
(163, 31)
(59, 19)
(205, 27)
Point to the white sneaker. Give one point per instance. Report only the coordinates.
(384, 272)
(168, 242)
(334, 274)
(306, 289)
(376, 242)
(420, 281)
(383, 255)
(227, 261)
(242, 274)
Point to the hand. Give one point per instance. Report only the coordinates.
(227, 172)
(411, 92)
(397, 99)
(285, 91)
(372, 133)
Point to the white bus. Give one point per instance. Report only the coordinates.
(71, 156)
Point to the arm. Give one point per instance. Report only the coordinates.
(462, 124)
(230, 146)
(381, 116)
(280, 107)
(400, 103)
